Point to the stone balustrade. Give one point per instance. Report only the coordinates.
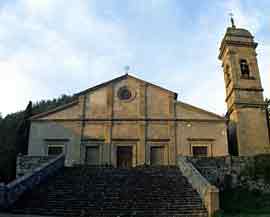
(10, 193)
(230, 172)
(208, 193)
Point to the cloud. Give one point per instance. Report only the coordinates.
(245, 17)
(252, 16)
(48, 47)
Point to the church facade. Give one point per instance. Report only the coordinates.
(127, 121)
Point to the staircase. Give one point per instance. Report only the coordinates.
(113, 192)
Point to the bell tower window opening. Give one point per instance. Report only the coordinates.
(245, 73)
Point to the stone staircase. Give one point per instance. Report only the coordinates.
(111, 192)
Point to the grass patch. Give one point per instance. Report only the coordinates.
(244, 203)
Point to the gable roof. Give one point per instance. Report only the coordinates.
(54, 110)
(122, 77)
(201, 110)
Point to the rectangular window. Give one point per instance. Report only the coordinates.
(200, 151)
(55, 149)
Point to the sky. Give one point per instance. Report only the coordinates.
(54, 47)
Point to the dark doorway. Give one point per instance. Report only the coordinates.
(92, 155)
(124, 157)
(157, 156)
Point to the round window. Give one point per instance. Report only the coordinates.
(124, 93)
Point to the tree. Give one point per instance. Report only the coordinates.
(23, 129)
(14, 132)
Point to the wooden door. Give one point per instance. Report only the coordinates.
(92, 155)
(124, 157)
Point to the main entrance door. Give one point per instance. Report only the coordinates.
(124, 156)
(157, 156)
(92, 155)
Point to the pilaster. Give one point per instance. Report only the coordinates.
(172, 132)
(143, 124)
(108, 126)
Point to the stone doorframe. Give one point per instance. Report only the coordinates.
(86, 144)
(161, 145)
(131, 144)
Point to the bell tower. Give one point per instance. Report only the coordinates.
(246, 109)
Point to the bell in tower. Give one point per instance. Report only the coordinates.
(246, 109)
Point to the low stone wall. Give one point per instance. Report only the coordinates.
(11, 192)
(27, 164)
(208, 192)
(233, 172)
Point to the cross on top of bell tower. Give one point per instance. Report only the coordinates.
(232, 20)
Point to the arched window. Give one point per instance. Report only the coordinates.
(244, 68)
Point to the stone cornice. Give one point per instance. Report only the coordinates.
(240, 105)
(235, 44)
(243, 89)
(131, 120)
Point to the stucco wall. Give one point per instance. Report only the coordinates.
(158, 103)
(252, 131)
(44, 133)
(195, 132)
(127, 108)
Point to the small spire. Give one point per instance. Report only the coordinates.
(127, 68)
(232, 20)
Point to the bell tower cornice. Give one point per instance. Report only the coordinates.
(236, 37)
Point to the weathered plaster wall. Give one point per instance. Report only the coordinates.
(41, 133)
(252, 131)
(196, 132)
(158, 130)
(96, 104)
(127, 108)
(94, 130)
(158, 103)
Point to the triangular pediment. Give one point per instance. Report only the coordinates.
(99, 96)
(120, 78)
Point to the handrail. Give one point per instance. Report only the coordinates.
(208, 193)
(11, 192)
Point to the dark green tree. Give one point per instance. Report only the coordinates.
(23, 129)
(14, 132)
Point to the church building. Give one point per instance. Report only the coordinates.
(127, 121)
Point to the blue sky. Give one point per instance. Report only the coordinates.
(54, 47)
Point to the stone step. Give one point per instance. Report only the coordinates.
(158, 191)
